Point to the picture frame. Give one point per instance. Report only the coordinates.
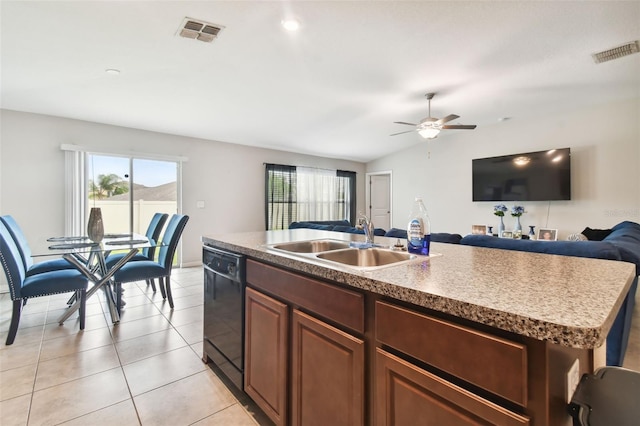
(547, 234)
(479, 229)
(506, 234)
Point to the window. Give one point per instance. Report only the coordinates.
(131, 190)
(307, 194)
(128, 187)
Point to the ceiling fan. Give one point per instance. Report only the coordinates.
(429, 127)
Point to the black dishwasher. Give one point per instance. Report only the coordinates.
(224, 289)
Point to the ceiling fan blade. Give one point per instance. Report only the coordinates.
(403, 122)
(460, 126)
(447, 118)
(408, 131)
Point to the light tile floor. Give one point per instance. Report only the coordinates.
(145, 371)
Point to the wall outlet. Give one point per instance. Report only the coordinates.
(573, 378)
(200, 204)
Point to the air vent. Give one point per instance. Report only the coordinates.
(199, 30)
(616, 52)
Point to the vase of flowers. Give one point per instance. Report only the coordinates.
(517, 211)
(499, 211)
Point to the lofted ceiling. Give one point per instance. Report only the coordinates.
(334, 87)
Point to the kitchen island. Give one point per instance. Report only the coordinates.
(466, 336)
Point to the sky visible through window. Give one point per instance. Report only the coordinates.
(146, 172)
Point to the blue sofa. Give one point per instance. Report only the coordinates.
(622, 243)
(345, 226)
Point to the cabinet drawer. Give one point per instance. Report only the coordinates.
(405, 393)
(492, 363)
(343, 306)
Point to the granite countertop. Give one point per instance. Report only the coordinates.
(570, 301)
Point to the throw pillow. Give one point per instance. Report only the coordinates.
(596, 234)
(577, 237)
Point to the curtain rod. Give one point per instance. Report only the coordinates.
(310, 167)
(122, 153)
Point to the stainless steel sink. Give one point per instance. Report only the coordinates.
(366, 258)
(312, 246)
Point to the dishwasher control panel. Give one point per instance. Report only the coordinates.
(227, 264)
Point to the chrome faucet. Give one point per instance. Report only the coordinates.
(367, 225)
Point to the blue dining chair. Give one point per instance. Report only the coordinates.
(148, 253)
(153, 233)
(23, 287)
(150, 269)
(25, 251)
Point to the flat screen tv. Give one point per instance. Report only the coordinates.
(530, 176)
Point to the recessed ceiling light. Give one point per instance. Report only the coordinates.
(112, 71)
(291, 24)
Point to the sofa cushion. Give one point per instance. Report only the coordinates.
(306, 223)
(348, 229)
(591, 249)
(626, 237)
(396, 233)
(445, 237)
(436, 237)
(310, 225)
(379, 232)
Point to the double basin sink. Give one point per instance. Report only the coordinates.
(341, 252)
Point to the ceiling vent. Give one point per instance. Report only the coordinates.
(616, 52)
(199, 30)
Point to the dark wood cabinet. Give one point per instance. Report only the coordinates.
(407, 395)
(327, 374)
(318, 353)
(316, 376)
(266, 354)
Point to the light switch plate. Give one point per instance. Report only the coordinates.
(200, 204)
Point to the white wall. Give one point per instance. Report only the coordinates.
(605, 176)
(228, 178)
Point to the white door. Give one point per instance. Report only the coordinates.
(380, 200)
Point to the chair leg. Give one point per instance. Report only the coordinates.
(118, 295)
(167, 284)
(15, 320)
(161, 285)
(82, 310)
(72, 299)
(152, 283)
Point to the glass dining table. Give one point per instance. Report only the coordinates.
(90, 258)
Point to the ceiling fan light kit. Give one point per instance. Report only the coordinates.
(428, 132)
(430, 127)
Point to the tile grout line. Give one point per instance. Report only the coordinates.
(35, 376)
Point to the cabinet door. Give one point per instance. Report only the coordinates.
(265, 375)
(327, 374)
(408, 395)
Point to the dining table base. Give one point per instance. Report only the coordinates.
(100, 275)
